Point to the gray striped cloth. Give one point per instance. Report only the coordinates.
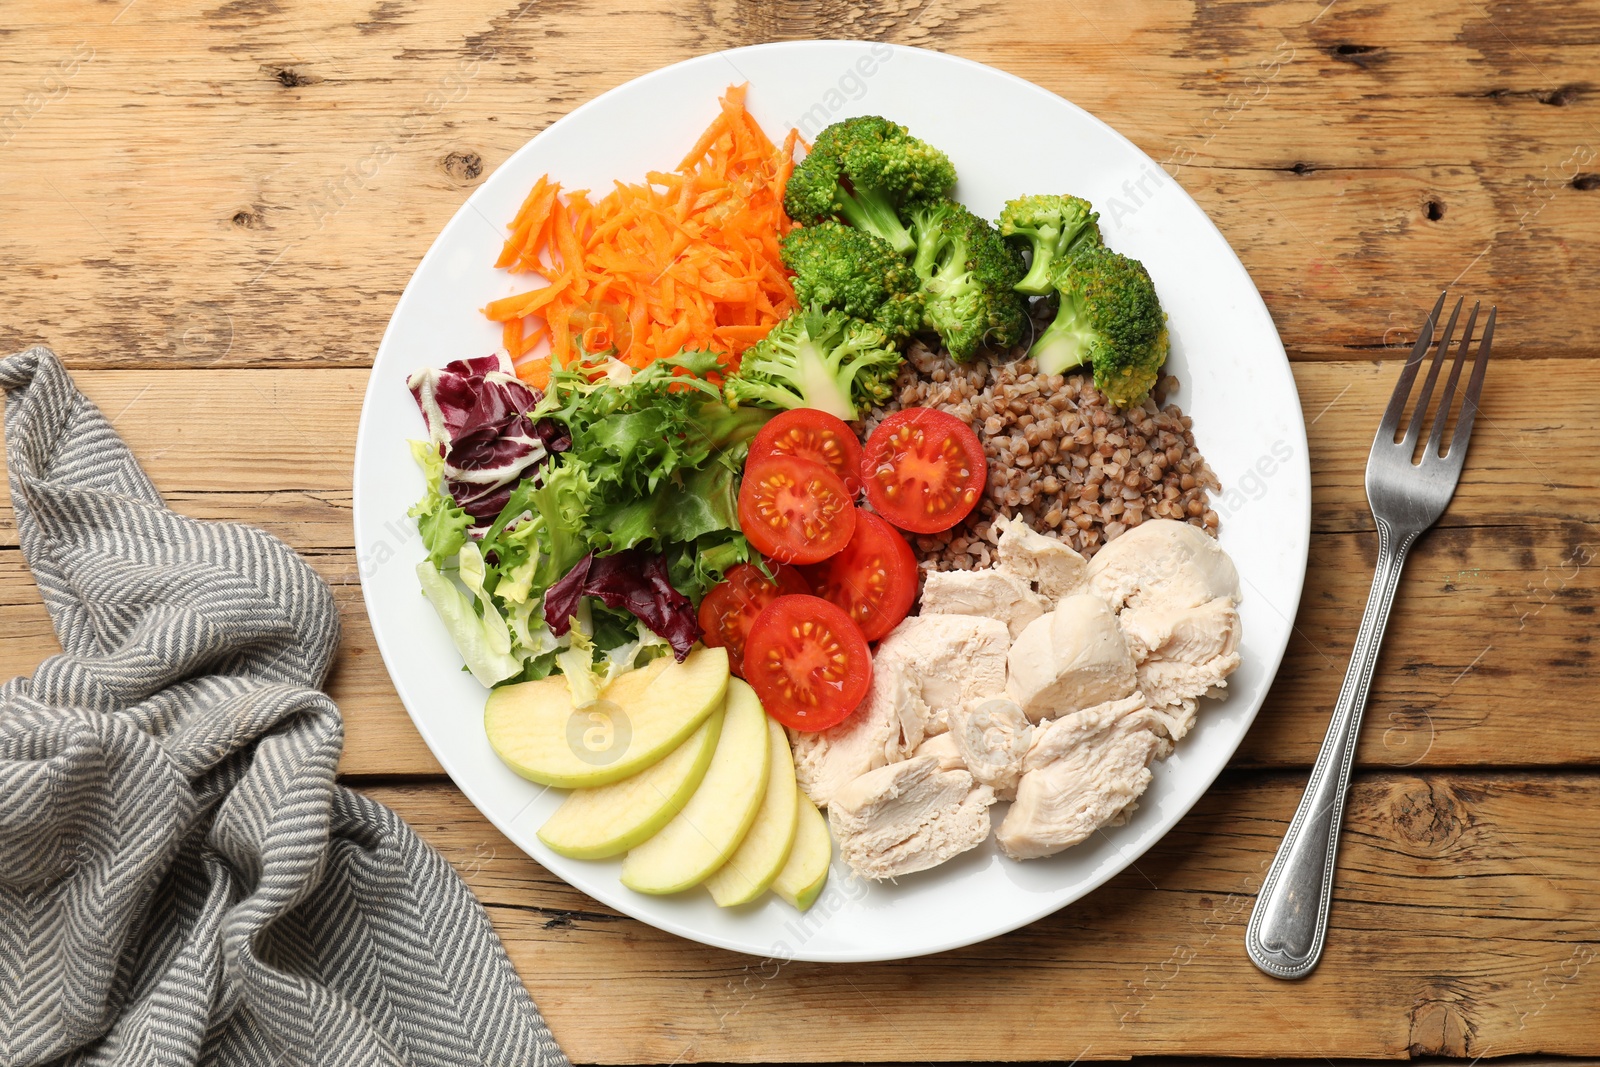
(181, 880)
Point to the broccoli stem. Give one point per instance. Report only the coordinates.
(871, 210)
(818, 381)
(1062, 345)
(928, 245)
(1038, 282)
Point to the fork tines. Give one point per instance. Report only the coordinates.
(1408, 374)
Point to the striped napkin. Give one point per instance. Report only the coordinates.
(181, 878)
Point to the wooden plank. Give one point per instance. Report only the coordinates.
(279, 451)
(1311, 135)
(1491, 630)
(1463, 925)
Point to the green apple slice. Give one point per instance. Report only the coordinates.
(638, 720)
(702, 836)
(607, 820)
(760, 856)
(806, 872)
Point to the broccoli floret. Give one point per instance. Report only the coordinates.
(856, 272)
(864, 170)
(902, 315)
(817, 359)
(968, 276)
(1109, 318)
(1054, 226)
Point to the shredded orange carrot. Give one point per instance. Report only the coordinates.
(516, 307)
(688, 259)
(536, 372)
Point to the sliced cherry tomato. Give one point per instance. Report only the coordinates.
(733, 604)
(874, 578)
(807, 662)
(807, 433)
(795, 511)
(924, 469)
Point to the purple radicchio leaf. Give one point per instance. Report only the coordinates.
(476, 411)
(633, 580)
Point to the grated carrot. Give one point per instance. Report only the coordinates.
(688, 259)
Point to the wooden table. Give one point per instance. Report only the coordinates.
(209, 209)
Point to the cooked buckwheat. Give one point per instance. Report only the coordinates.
(1060, 455)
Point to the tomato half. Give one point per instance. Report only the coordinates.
(795, 511)
(733, 604)
(807, 662)
(807, 433)
(924, 469)
(874, 578)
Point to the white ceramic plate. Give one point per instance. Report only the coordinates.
(1007, 137)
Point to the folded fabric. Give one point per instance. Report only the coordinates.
(181, 878)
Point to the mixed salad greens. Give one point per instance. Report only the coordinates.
(611, 498)
(589, 511)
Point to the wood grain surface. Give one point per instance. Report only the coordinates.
(209, 208)
(1463, 925)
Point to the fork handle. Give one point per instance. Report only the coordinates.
(1290, 919)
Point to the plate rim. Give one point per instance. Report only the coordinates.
(618, 896)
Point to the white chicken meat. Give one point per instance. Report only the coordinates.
(925, 667)
(993, 592)
(991, 738)
(907, 817)
(1053, 566)
(1073, 658)
(1082, 772)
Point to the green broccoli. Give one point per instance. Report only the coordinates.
(968, 275)
(1054, 226)
(857, 273)
(817, 359)
(865, 170)
(1109, 318)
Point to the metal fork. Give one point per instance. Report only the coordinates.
(1290, 920)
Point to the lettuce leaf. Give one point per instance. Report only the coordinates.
(588, 674)
(698, 565)
(440, 520)
(682, 510)
(662, 452)
(488, 658)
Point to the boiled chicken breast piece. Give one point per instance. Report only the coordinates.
(993, 592)
(1157, 570)
(1082, 772)
(1176, 719)
(1073, 658)
(1052, 565)
(1176, 594)
(991, 738)
(942, 748)
(1199, 648)
(870, 738)
(947, 661)
(907, 817)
